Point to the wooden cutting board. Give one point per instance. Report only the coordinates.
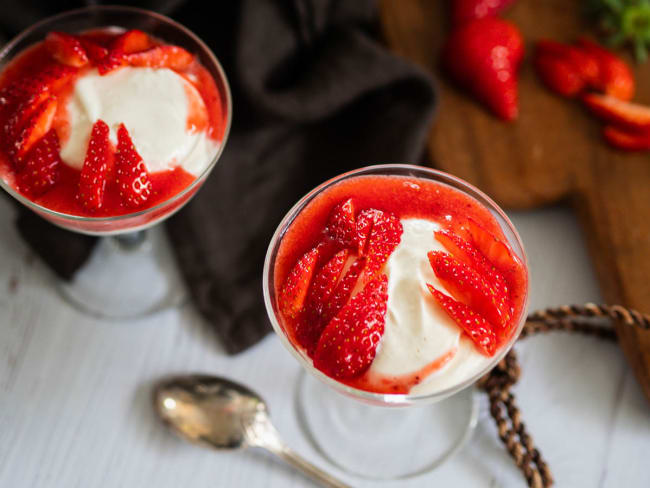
(552, 152)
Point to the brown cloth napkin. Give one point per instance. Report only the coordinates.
(314, 94)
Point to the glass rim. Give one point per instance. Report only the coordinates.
(199, 178)
(388, 399)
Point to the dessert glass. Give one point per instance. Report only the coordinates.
(354, 429)
(130, 273)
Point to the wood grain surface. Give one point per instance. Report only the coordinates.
(552, 152)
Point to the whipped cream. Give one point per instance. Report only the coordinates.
(153, 104)
(418, 331)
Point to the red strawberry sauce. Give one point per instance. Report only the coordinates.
(405, 197)
(63, 196)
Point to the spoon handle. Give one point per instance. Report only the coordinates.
(261, 433)
(308, 468)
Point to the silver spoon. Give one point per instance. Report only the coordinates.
(221, 414)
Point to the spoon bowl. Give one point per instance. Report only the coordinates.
(209, 410)
(221, 414)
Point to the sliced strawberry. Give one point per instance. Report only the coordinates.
(559, 75)
(132, 177)
(349, 343)
(294, 291)
(468, 286)
(96, 53)
(365, 219)
(92, 181)
(494, 250)
(35, 127)
(474, 325)
(33, 90)
(628, 141)
(133, 41)
(585, 64)
(471, 256)
(325, 281)
(29, 108)
(104, 59)
(66, 49)
(627, 115)
(385, 233)
(343, 291)
(309, 327)
(341, 226)
(172, 57)
(615, 76)
(41, 166)
(112, 61)
(23, 112)
(370, 219)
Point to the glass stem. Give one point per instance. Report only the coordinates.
(131, 241)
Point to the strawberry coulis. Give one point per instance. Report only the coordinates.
(165, 184)
(405, 197)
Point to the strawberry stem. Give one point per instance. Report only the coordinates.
(623, 22)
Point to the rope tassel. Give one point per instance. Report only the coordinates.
(497, 383)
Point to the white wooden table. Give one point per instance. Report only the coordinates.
(75, 392)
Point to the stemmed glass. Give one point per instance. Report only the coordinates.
(355, 429)
(130, 274)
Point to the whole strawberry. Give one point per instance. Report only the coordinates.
(484, 56)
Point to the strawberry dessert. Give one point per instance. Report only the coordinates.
(397, 284)
(107, 122)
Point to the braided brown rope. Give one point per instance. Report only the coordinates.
(497, 383)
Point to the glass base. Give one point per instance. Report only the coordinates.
(127, 276)
(383, 443)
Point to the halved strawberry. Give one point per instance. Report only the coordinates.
(34, 128)
(310, 327)
(349, 343)
(133, 41)
(341, 226)
(41, 166)
(474, 325)
(66, 49)
(343, 291)
(294, 291)
(468, 286)
(628, 141)
(494, 250)
(132, 177)
(381, 232)
(615, 76)
(627, 115)
(92, 181)
(470, 255)
(166, 56)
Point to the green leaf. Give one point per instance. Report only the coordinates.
(623, 22)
